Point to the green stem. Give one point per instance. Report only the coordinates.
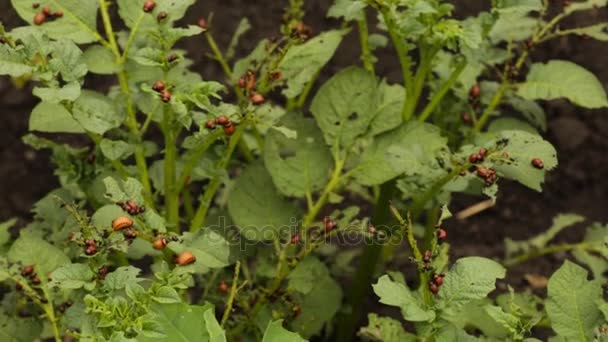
(331, 185)
(188, 203)
(485, 116)
(218, 55)
(207, 197)
(421, 201)
(423, 71)
(366, 54)
(301, 100)
(195, 157)
(233, 292)
(347, 325)
(439, 95)
(171, 191)
(402, 53)
(411, 240)
(131, 38)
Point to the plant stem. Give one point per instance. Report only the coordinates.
(218, 55)
(169, 163)
(331, 185)
(404, 58)
(233, 291)
(131, 120)
(366, 54)
(205, 200)
(367, 266)
(438, 96)
(421, 201)
(196, 156)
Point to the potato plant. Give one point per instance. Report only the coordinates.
(234, 209)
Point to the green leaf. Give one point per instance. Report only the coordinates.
(183, 322)
(302, 279)
(53, 118)
(121, 277)
(470, 278)
(30, 249)
(96, 112)
(276, 333)
(210, 249)
(301, 165)
(216, 333)
(521, 148)
(256, 207)
(318, 306)
(72, 276)
(13, 63)
(18, 329)
(397, 294)
(100, 60)
(69, 92)
(531, 110)
(504, 319)
(5, 235)
(133, 15)
(560, 222)
(166, 295)
(301, 63)
(116, 149)
(571, 303)
(78, 24)
(388, 105)
(405, 150)
(252, 60)
(385, 329)
(343, 107)
(557, 79)
(347, 9)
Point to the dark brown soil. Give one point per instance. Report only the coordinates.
(579, 185)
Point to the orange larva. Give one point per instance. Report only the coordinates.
(159, 243)
(121, 223)
(185, 258)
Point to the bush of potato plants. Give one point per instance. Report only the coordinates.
(265, 205)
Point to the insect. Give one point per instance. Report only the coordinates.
(122, 222)
(257, 99)
(149, 6)
(159, 243)
(537, 163)
(185, 258)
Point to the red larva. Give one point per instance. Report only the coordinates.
(159, 243)
(46, 11)
(475, 91)
(229, 129)
(210, 124)
(149, 6)
(222, 120)
(441, 235)
(161, 16)
(27, 270)
(257, 99)
(165, 95)
(295, 239)
(39, 18)
(372, 230)
(158, 86)
(223, 287)
(433, 287)
(58, 14)
(122, 222)
(438, 279)
(428, 255)
(329, 224)
(202, 23)
(185, 258)
(242, 82)
(537, 163)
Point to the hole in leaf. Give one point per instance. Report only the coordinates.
(353, 116)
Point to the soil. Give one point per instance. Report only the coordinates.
(579, 185)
